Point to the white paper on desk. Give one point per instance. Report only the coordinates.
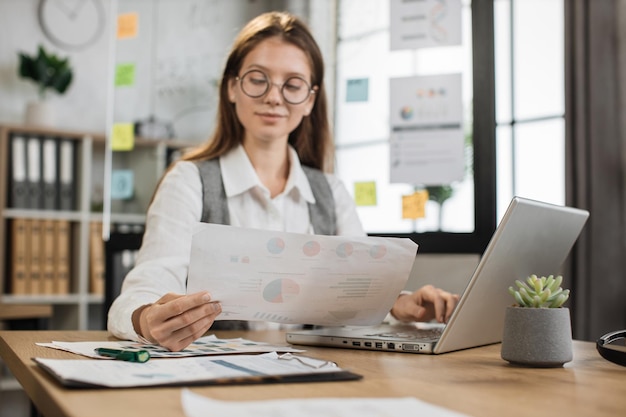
(260, 275)
(207, 345)
(195, 405)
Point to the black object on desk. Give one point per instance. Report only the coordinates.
(616, 355)
(122, 244)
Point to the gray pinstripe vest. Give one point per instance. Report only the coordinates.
(215, 207)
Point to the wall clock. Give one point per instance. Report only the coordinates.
(71, 24)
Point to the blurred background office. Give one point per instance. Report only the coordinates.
(542, 88)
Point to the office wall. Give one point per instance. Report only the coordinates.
(83, 107)
(178, 54)
(179, 60)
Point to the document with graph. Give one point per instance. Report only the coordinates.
(292, 278)
(201, 370)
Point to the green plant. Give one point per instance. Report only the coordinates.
(540, 292)
(439, 193)
(48, 71)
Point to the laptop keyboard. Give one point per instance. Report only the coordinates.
(413, 335)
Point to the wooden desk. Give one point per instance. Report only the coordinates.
(35, 314)
(476, 382)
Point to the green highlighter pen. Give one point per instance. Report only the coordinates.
(125, 355)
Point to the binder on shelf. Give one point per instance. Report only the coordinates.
(48, 255)
(62, 264)
(18, 187)
(35, 261)
(33, 166)
(19, 255)
(49, 173)
(96, 259)
(67, 191)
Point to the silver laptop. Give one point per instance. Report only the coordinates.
(532, 238)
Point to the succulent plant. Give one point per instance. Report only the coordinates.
(540, 292)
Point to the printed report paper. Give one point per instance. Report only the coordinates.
(196, 405)
(206, 345)
(292, 278)
(201, 370)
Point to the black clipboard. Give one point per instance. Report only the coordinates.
(94, 373)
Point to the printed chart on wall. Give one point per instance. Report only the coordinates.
(426, 118)
(424, 23)
(295, 278)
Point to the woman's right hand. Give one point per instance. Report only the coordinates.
(175, 321)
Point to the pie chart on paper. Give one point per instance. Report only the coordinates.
(378, 251)
(311, 248)
(281, 290)
(344, 250)
(275, 245)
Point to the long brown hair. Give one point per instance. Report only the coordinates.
(311, 139)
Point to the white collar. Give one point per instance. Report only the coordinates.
(239, 175)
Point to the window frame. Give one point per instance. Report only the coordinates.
(484, 144)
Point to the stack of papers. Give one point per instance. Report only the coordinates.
(207, 345)
(207, 361)
(204, 370)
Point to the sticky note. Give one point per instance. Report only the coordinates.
(124, 74)
(414, 205)
(357, 90)
(123, 137)
(122, 184)
(127, 25)
(365, 193)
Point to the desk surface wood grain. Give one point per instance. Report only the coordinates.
(476, 381)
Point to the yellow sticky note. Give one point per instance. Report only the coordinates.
(365, 193)
(124, 74)
(123, 137)
(414, 205)
(127, 25)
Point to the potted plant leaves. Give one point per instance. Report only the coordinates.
(537, 330)
(48, 72)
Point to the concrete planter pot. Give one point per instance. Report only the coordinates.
(537, 337)
(40, 113)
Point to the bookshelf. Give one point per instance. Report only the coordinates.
(80, 306)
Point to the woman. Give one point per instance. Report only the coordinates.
(262, 168)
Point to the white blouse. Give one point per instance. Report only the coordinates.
(163, 260)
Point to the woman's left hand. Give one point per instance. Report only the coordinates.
(425, 304)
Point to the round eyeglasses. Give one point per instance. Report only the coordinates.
(294, 90)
